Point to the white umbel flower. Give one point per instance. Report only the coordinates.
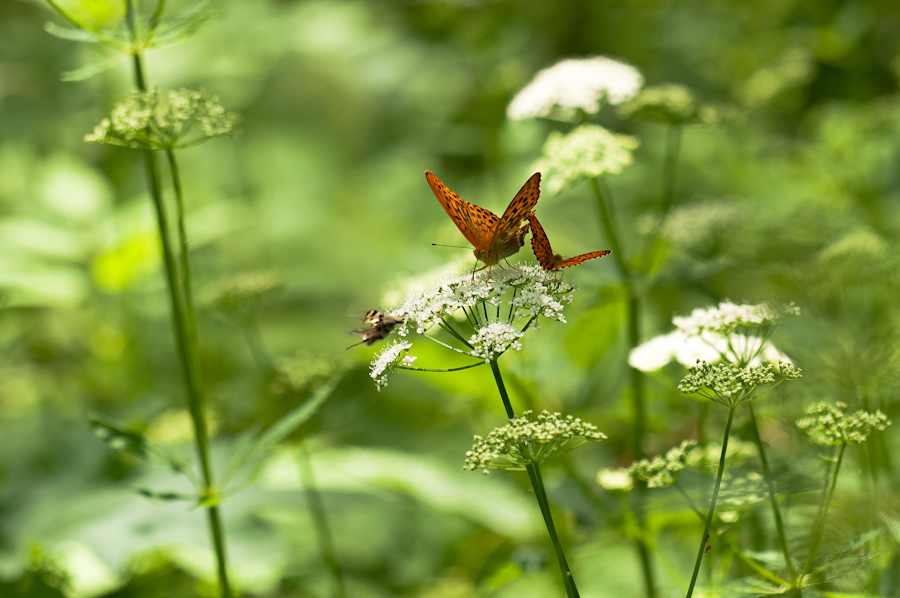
(725, 317)
(528, 290)
(585, 152)
(494, 339)
(574, 84)
(382, 367)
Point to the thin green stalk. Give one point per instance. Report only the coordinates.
(712, 504)
(823, 510)
(638, 399)
(670, 166)
(185, 333)
(320, 522)
(415, 369)
(796, 592)
(537, 483)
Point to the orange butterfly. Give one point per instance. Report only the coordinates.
(544, 254)
(493, 238)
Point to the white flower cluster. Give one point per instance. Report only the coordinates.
(587, 151)
(615, 480)
(494, 339)
(143, 121)
(531, 292)
(710, 335)
(725, 318)
(383, 365)
(568, 86)
(832, 425)
(523, 441)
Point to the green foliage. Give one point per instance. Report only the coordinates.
(788, 195)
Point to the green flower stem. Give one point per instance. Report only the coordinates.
(823, 511)
(320, 522)
(183, 250)
(537, 483)
(185, 336)
(796, 592)
(637, 378)
(762, 571)
(415, 369)
(712, 505)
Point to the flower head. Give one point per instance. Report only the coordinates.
(524, 441)
(830, 425)
(587, 151)
(706, 457)
(668, 103)
(143, 121)
(662, 471)
(382, 367)
(494, 339)
(727, 383)
(528, 292)
(568, 86)
(242, 293)
(615, 480)
(729, 332)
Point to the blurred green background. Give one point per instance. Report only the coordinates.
(344, 105)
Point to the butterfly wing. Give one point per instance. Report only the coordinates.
(518, 209)
(574, 261)
(540, 244)
(478, 226)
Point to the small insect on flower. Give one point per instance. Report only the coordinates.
(382, 326)
(494, 238)
(544, 253)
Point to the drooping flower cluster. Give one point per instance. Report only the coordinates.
(587, 151)
(669, 103)
(568, 86)
(739, 493)
(734, 333)
(384, 364)
(524, 441)
(494, 339)
(241, 293)
(831, 425)
(706, 457)
(729, 384)
(143, 121)
(662, 470)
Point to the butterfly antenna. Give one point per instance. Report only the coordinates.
(454, 246)
(356, 344)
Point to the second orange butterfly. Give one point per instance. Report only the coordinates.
(544, 253)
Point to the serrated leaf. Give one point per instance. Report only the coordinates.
(180, 26)
(252, 447)
(89, 70)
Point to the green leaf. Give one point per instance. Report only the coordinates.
(89, 70)
(70, 33)
(250, 448)
(596, 331)
(128, 440)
